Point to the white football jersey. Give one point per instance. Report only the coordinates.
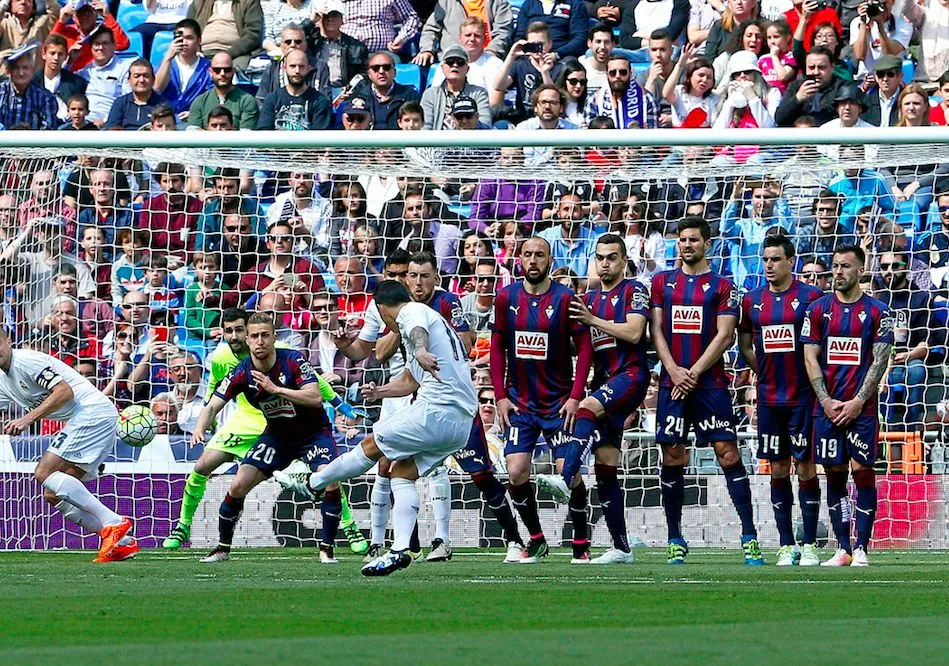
(455, 390)
(372, 329)
(32, 375)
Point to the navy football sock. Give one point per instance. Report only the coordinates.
(739, 488)
(836, 499)
(782, 500)
(672, 490)
(611, 501)
(808, 495)
(495, 496)
(578, 518)
(228, 515)
(865, 481)
(526, 504)
(577, 443)
(331, 507)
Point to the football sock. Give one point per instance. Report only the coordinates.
(345, 514)
(578, 518)
(228, 515)
(838, 505)
(352, 463)
(194, 491)
(73, 491)
(404, 512)
(782, 500)
(672, 490)
(577, 443)
(331, 508)
(415, 545)
(495, 496)
(379, 506)
(526, 504)
(739, 488)
(865, 480)
(808, 495)
(439, 486)
(611, 501)
(78, 516)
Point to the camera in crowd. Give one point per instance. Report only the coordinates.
(875, 8)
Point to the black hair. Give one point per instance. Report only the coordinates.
(191, 24)
(425, 258)
(856, 249)
(233, 314)
(398, 257)
(220, 111)
(695, 222)
(600, 27)
(390, 293)
(782, 241)
(613, 239)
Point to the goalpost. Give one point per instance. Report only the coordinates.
(57, 185)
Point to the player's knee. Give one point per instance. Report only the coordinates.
(728, 455)
(370, 449)
(780, 469)
(593, 405)
(204, 467)
(806, 470)
(482, 480)
(675, 455)
(607, 455)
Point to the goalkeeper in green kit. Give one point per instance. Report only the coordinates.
(240, 431)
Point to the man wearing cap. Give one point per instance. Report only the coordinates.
(292, 38)
(881, 108)
(78, 22)
(355, 115)
(448, 20)
(344, 55)
(484, 67)
(438, 100)
(850, 103)
(296, 106)
(813, 93)
(22, 102)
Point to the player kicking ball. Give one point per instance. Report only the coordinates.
(283, 386)
(769, 335)
(416, 439)
(617, 314)
(240, 432)
(49, 389)
(847, 339)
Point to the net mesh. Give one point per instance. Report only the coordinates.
(347, 208)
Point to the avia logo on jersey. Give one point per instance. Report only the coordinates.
(278, 408)
(686, 318)
(601, 340)
(843, 351)
(531, 345)
(777, 338)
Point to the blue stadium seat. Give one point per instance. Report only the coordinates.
(909, 70)
(408, 75)
(131, 15)
(162, 41)
(516, 8)
(431, 75)
(135, 44)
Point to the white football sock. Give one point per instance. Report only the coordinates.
(85, 520)
(439, 486)
(404, 512)
(380, 504)
(352, 463)
(71, 489)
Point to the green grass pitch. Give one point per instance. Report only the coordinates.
(282, 606)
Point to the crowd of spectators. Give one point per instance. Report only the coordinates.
(122, 268)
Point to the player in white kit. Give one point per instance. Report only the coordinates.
(419, 437)
(50, 389)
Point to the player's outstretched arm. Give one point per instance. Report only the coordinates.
(208, 413)
(59, 395)
(387, 346)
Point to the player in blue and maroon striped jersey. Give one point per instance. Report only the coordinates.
(694, 315)
(769, 337)
(847, 338)
(537, 389)
(474, 459)
(617, 314)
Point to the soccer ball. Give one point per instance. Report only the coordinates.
(137, 425)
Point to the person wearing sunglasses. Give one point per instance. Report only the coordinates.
(882, 107)
(438, 101)
(483, 65)
(236, 28)
(623, 100)
(240, 103)
(384, 94)
(292, 38)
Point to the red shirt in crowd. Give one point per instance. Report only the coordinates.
(74, 35)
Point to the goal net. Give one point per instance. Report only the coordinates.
(121, 250)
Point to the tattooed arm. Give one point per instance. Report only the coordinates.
(816, 376)
(851, 409)
(426, 359)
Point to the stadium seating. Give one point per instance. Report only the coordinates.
(162, 41)
(409, 75)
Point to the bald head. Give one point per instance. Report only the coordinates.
(271, 301)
